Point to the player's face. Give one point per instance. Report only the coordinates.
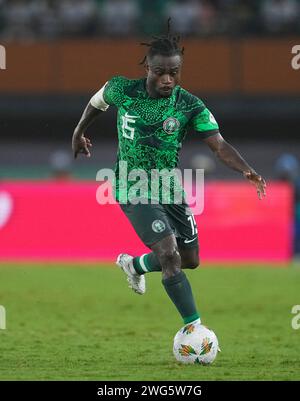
(163, 74)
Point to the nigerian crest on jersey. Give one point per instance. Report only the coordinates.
(170, 125)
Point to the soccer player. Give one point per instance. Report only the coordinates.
(154, 114)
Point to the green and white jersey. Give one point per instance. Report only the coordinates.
(151, 131)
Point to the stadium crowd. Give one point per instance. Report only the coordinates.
(51, 19)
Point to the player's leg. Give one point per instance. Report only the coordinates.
(189, 256)
(184, 224)
(174, 279)
(151, 225)
(148, 262)
(186, 230)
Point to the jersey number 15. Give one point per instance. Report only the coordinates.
(127, 130)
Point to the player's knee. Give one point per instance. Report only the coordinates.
(191, 263)
(170, 261)
(170, 257)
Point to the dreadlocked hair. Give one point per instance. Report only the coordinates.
(165, 45)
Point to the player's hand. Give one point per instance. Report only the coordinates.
(258, 181)
(81, 145)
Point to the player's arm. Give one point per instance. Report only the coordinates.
(232, 158)
(206, 125)
(81, 144)
(97, 104)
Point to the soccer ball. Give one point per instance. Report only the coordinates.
(195, 343)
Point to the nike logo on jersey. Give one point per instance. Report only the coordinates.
(186, 241)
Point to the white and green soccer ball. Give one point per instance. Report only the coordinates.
(195, 343)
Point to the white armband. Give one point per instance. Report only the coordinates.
(98, 101)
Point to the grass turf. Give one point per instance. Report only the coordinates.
(83, 323)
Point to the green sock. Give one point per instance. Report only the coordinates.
(179, 290)
(146, 263)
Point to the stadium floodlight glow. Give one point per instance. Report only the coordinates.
(2, 58)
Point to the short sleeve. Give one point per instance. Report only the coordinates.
(114, 91)
(205, 123)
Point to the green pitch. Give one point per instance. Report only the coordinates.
(83, 323)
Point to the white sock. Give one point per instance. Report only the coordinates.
(197, 321)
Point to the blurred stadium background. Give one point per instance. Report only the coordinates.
(238, 59)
